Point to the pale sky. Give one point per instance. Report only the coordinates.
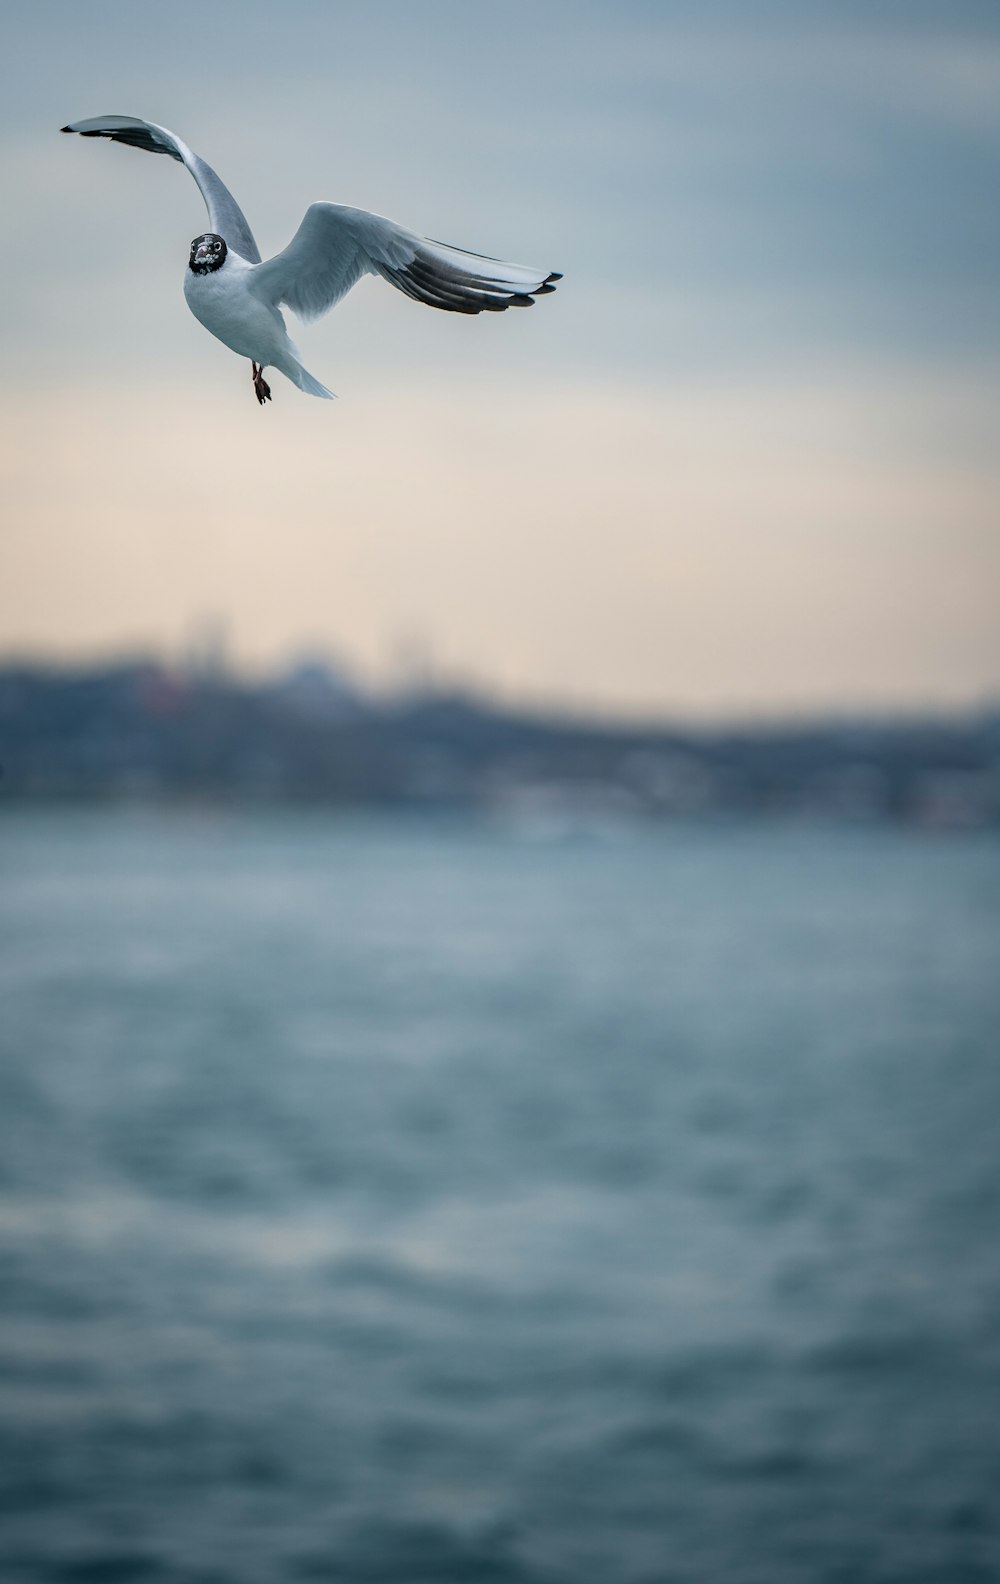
(745, 461)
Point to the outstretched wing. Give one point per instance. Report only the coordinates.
(224, 214)
(334, 246)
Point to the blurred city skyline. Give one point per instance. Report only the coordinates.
(743, 463)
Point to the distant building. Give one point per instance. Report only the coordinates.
(317, 689)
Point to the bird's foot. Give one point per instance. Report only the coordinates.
(262, 389)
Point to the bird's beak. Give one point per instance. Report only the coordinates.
(202, 252)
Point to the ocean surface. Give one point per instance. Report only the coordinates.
(470, 1203)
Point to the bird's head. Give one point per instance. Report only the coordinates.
(208, 253)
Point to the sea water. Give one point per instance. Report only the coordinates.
(415, 1200)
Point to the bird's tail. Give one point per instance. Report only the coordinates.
(289, 363)
(308, 384)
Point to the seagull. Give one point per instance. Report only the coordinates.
(238, 297)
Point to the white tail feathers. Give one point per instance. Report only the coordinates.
(312, 387)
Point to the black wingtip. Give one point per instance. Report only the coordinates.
(65, 129)
(555, 275)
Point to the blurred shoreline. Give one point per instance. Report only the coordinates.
(142, 731)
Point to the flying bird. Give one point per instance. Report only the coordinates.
(238, 297)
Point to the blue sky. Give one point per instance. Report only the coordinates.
(744, 461)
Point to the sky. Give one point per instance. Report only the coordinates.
(743, 463)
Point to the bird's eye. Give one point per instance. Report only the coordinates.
(216, 247)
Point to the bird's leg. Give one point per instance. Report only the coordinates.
(262, 389)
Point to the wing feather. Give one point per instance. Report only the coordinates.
(224, 214)
(336, 245)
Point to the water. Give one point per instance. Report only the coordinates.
(453, 1203)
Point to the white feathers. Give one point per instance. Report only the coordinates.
(333, 247)
(224, 213)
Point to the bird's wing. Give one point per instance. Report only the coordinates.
(224, 213)
(334, 246)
